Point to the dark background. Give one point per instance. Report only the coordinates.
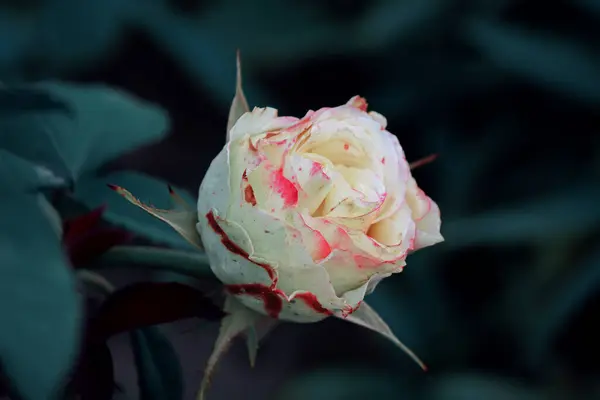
(507, 93)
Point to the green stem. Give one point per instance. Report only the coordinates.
(194, 264)
(98, 281)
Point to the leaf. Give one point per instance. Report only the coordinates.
(478, 387)
(239, 319)
(191, 263)
(256, 333)
(102, 124)
(343, 383)
(184, 222)
(22, 175)
(51, 214)
(368, 318)
(239, 106)
(547, 61)
(160, 375)
(573, 211)
(38, 300)
(554, 306)
(85, 240)
(93, 191)
(26, 100)
(149, 303)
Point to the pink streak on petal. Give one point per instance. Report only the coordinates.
(285, 188)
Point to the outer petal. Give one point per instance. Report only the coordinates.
(285, 283)
(354, 257)
(396, 174)
(259, 120)
(426, 214)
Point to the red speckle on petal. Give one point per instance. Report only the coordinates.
(346, 146)
(349, 309)
(249, 195)
(270, 297)
(235, 249)
(383, 160)
(358, 102)
(285, 188)
(315, 169)
(311, 301)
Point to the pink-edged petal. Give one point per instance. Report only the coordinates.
(397, 230)
(257, 121)
(396, 173)
(272, 190)
(426, 214)
(347, 264)
(311, 174)
(380, 119)
(284, 284)
(358, 102)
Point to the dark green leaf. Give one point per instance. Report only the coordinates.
(160, 375)
(573, 211)
(39, 305)
(103, 123)
(194, 264)
(548, 61)
(27, 100)
(555, 304)
(93, 192)
(149, 303)
(342, 384)
(479, 387)
(21, 175)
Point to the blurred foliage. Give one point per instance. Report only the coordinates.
(506, 92)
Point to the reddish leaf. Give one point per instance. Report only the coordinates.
(85, 240)
(149, 303)
(93, 245)
(74, 228)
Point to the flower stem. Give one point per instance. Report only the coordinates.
(193, 264)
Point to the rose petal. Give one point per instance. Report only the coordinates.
(259, 120)
(426, 214)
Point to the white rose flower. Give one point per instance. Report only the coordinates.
(301, 218)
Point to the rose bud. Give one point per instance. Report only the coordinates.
(301, 218)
